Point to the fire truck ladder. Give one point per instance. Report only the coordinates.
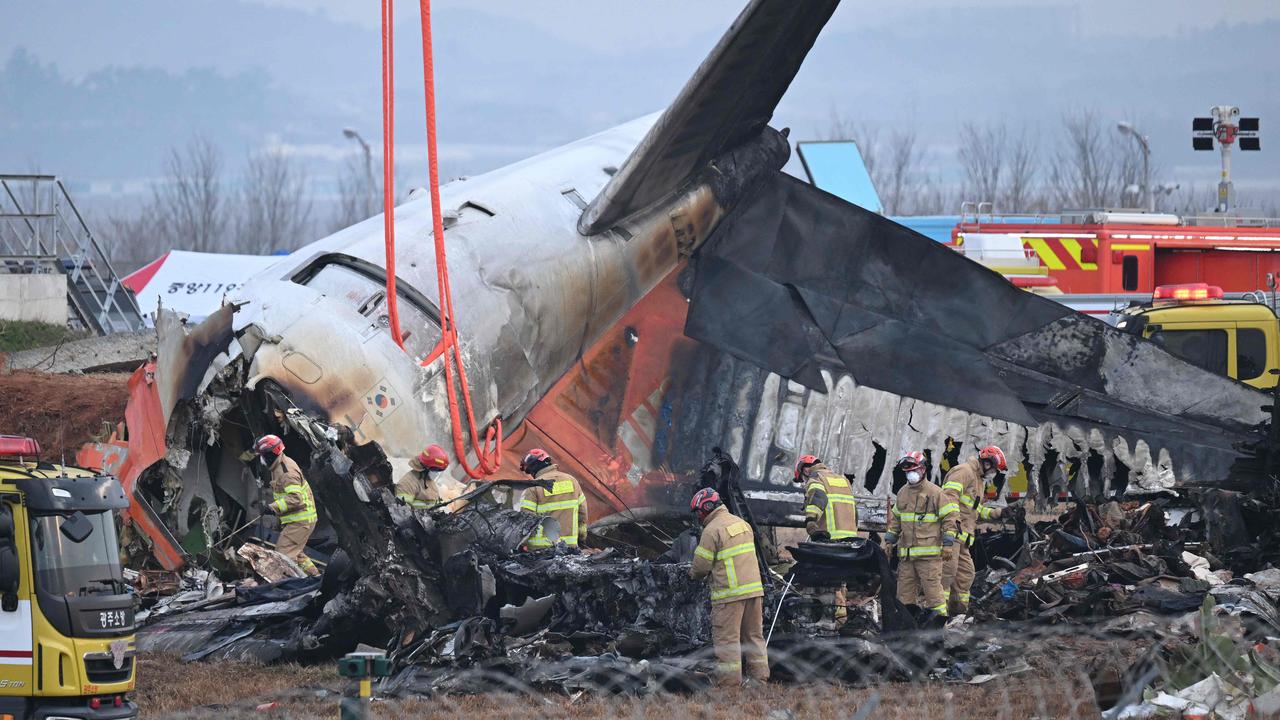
(42, 231)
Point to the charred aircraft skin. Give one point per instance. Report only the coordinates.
(533, 293)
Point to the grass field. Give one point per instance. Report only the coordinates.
(18, 335)
(170, 688)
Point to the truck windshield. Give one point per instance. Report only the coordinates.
(68, 568)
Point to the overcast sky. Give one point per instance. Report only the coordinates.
(97, 92)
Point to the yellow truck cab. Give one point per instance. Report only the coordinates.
(1235, 338)
(66, 614)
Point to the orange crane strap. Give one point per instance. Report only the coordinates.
(489, 451)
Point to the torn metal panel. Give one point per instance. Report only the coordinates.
(949, 332)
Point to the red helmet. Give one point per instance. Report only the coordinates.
(913, 460)
(704, 501)
(805, 461)
(995, 455)
(433, 458)
(269, 445)
(536, 456)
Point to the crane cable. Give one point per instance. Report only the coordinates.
(488, 452)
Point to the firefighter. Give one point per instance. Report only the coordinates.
(293, 502)
(564, 502)
(830, 513)
(964, 485)
(417, 488)
(727, 552)
(921, 524)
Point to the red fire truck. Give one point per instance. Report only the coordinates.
(1102, 252)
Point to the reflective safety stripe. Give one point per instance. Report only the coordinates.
(952, 485)
(921, 551)
(984, 512)
(413, 501)
(726, 555)
(737, 591)
(813, 510)
(551, 507)
(837, 481)
(736, 550)
(895, 511)
(300, 516)
(559, 487)
(918, 517)
(306, 513)
(965, 537)
(940, 609)
(704, 553)
(964, 597)
(840, 499)
(948, 509)
(540, 540)
(969, 501)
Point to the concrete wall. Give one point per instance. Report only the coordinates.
(41, 298)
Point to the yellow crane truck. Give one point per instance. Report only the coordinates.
(66, 614)
(1236, 338)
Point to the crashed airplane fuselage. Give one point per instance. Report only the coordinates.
(574, 274)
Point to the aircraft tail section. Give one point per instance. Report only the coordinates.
(727, 102)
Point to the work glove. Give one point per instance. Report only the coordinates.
(948, 539)
(820, 537)
(890, 538)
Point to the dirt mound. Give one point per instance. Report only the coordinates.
(61, 411)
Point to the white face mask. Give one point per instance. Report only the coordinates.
(913, 477)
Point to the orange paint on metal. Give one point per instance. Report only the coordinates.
(127, 458)
(616, 389)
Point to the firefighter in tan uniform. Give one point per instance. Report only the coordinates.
(830, 512)
(565, 501)
(293, 502)
(727, 553)
(921, 524)
(417, 488)
(965, 485)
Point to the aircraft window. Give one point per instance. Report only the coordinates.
(1205, 348)
(368, 296)
(1129, 273)
(1251, 353)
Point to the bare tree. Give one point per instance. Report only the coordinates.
(933, 198)
(900, 171)
(130, 238)
(188, 205)
(275, 210)
(983, 157)
(360, 191)
(1021, 175)
(1088, 170)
